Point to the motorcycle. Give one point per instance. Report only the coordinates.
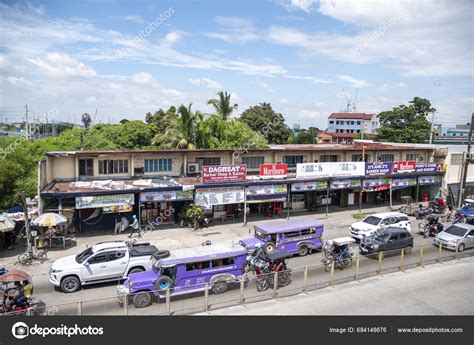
(265, 266)
(423, 212)
(7, 281)
(432, 227)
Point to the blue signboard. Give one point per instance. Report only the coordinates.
(378, 168)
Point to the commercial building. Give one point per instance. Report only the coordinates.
(91, 187)
(352, 123)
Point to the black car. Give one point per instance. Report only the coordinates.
(389, 239)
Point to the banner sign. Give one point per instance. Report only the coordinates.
(104, 201)
(342, 184)
(308, 186)
(404, 167)
(219, 196)
(330, 169)
(224, 173)
(376, 184)
(266, 193)
(427, 180)
(166, 196)
(428, 167)
(398, 183)
(378, 168)
(273, 170)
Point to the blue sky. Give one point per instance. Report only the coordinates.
(127, 58)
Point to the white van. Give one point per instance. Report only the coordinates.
(373, 222)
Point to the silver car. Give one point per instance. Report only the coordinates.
(460, 236)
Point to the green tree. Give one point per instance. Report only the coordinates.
(181, 132)
(263, 119)
(305, 136)
(160, 118)
(406, 124)
(222, 105)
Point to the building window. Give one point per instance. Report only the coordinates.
(328, 158)
(253, 162)
(209, 161)
(331, 122)
(412, 156)
(292, 160)
(358, 131)
(358, 123)
(158, 165)
(337, 122)
(115, 166)
(358, 158)
(86, 167)
(387, 157)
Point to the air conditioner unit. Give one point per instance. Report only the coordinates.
(193, 168)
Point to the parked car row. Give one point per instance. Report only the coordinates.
(147, 272)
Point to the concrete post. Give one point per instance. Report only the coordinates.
(379, 272)
(420, 260)
(402, 257)
(168, 302)
(356, 276)
(439, 253)
(206, 298)
(242, 286)
(79, 308)
(275, 285)
(332, 274)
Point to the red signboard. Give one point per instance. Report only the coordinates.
(273, 170)
(404, 167)
(224, 173)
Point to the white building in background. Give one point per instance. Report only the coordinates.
(352, 123)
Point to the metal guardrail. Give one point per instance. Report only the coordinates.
(426, 254)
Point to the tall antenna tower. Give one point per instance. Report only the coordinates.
(348, 101)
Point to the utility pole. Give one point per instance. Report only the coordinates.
(27, 221)
(27, 126)
(468, 158)
(432, 126)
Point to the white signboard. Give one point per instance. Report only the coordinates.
(331, 169)
(219, 196)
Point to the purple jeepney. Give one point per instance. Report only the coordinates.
(299, 236)
(186, 270)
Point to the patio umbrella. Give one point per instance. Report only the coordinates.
(14, 276)
(49, 220)
(6, 224)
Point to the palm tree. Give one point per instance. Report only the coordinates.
(181, 133)
(222, 105)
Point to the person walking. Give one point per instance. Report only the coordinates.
(135, 227)
(118, 224)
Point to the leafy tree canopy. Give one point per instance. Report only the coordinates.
(406, 124)
(263, 119)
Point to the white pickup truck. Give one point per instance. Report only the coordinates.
(105, 261)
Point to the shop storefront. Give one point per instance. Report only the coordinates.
(308, 195)
(403, 187)
(428, 185)
(267, 200)
(221, 203)
(163, 206)
(376, 190)
(345, 192)
(99, 212)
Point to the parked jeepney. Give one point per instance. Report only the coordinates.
(299, 236)
(185, 271)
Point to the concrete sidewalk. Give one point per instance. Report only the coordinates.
(440, 289)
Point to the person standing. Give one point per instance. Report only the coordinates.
(118, 224)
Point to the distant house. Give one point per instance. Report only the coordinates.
(341, 138)
(352, 123)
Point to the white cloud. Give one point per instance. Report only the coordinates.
(142, 78)
(298, 5)
(313, 80)
(172, 38)
(263, 85)
(211, 84)
(411, 41)
(357, 83)
(134, 19)
(387, 86)
(62, 65)
(236, 30)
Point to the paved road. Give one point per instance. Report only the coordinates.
(445, 289)
(335, 226)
